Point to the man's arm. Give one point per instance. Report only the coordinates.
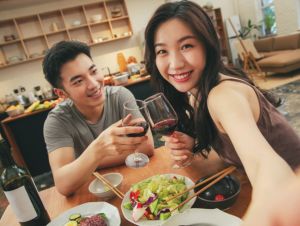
(110, 148)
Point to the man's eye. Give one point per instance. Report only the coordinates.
(77, 82)
(94, 72)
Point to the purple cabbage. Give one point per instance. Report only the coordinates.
(151, 199)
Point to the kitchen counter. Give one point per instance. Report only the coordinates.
(137, 80)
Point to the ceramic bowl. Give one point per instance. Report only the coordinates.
(14, 59)
(121, 79)
(221, 195)
(99, 189)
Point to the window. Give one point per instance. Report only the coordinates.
(269, 19)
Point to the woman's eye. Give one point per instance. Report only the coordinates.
(186, 46)
(94, 72)
(161, 51)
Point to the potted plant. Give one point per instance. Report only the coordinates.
(246, 30)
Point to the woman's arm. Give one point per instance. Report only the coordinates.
(234, 112)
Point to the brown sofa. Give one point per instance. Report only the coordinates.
(280, 53)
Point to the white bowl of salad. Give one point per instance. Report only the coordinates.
(144, 204)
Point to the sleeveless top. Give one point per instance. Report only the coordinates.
(274, 127)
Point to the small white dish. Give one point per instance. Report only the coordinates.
(212, 217)
(14, 59)
(144, 222)
(99, 189)
(88, 209)
(96, 18)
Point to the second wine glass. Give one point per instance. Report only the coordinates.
(133, 115)
(161, 115)
(163, 120)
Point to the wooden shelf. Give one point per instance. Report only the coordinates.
(217, 20)
(27, 38)
(10, 42)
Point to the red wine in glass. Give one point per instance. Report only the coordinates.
(161, 115)
(145, 125)
(133, 115)
(165, 127)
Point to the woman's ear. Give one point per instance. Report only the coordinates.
(60, 93)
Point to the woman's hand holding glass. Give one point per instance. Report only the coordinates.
(181, 146)
(163, 120)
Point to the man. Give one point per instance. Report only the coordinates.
(84, 132)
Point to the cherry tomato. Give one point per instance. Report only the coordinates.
(219, 197)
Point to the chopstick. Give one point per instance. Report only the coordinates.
(108, 184)
(218, 177)
(200, 183)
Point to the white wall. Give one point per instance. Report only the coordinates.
(298, 13)
(30, 74)
(287, 14)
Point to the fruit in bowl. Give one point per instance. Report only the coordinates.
(221, 195)
(15, 110)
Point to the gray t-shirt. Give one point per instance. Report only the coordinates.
(65, 126)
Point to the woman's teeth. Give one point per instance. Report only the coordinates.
(182, 76)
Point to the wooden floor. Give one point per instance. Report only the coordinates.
(272, 81)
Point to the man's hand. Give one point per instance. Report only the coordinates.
(114, 141)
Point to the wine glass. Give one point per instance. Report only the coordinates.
(134, 112)
(162, 118)
(161, 115)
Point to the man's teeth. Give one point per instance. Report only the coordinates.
(182, 76)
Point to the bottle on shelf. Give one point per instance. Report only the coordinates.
(21, 96)
(38, 93)
(121, 62)
(21, 191)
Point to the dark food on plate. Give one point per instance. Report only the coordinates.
(76, 219)
(95, 220)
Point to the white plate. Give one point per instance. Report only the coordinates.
(90, 208)
(128, 213)
(203, 217)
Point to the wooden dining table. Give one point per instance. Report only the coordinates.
(160, 163)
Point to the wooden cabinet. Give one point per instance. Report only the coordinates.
(28, 38)
(217, 19)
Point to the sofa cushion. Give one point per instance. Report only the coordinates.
(282, 60)
(286, 42)
(273, 53)
(264, 45)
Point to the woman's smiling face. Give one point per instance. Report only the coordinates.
(180, 56)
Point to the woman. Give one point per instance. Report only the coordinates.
(228, 113)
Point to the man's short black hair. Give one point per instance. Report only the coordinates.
(61, 53)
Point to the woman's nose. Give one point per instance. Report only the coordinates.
(176, 61)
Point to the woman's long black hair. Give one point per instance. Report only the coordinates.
(195, 122)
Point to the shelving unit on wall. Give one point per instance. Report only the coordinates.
(27, 38)
(217, 19)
